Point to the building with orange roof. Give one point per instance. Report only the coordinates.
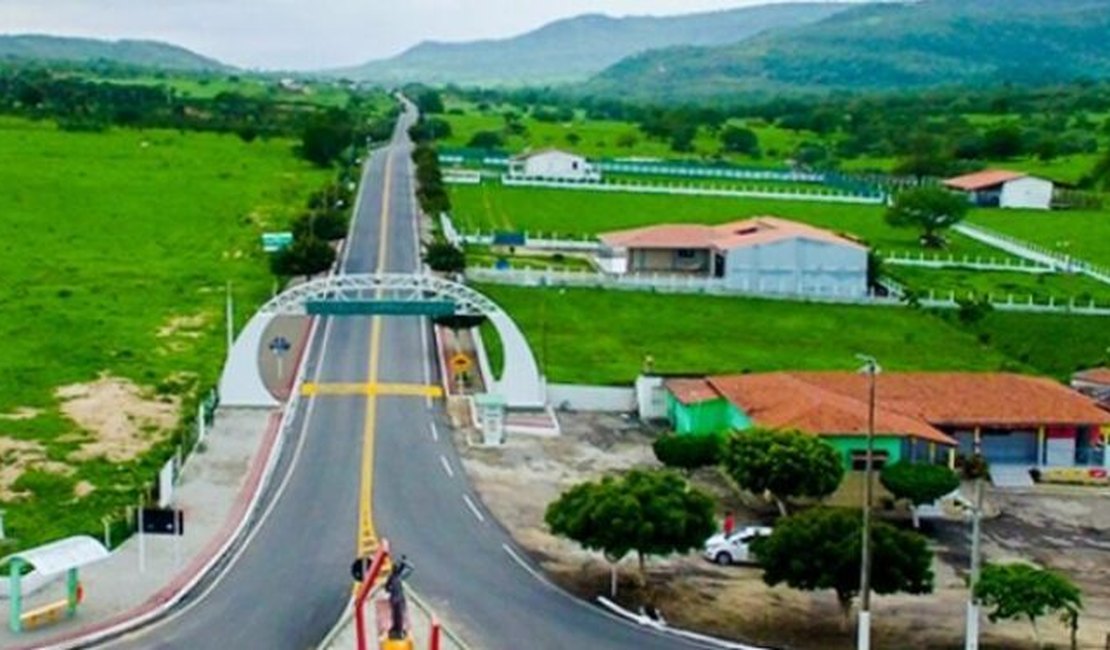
(1094, 383)
(1000, 188)
(1015, 419)
(758, 255)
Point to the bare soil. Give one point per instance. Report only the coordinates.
(1064, 529)
(18, 456)
(122, 421)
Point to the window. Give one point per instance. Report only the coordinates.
(879, 459)
(686, 253)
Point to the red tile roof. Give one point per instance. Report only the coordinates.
(691, 391)
(911, 404)
(1094, 376)
(983, 180)
(737, 234)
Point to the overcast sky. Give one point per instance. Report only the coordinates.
(305, 34)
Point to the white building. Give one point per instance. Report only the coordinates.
(553, 164)
(759, 255)
(996, 188)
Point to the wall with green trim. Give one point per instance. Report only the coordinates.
(709, 417)
(892, 445)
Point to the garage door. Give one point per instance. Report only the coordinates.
(1009, 448)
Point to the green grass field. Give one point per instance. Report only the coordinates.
(209, 86)
(601, 337)
(1082, 233)
(117, 248)
(491, 206)
(1001, 284)
(1056, 345)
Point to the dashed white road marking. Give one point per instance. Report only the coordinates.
(435, 431)
(447, 466)
(474, 509)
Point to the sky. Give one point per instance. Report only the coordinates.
(313, 34)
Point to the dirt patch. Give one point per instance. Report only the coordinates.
(186, 326)
(518, 481)
(21, 413)
(18, 456)
(122, 421)
(83, 489)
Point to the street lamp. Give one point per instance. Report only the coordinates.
(863, 637)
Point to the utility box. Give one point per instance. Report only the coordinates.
(491, 418)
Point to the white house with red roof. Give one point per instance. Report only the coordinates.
(759, 255)
(553, 164)
(999, 188)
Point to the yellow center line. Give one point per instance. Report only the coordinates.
(367, 541)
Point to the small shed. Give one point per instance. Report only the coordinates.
(63, 556)
(999, 188)
(553, 164)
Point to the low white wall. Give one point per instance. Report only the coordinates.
(651, 397)
(608, 399)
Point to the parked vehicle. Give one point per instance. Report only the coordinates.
(736, 548)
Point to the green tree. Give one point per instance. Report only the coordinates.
(738, 139)
(649, 513)
(329, 225)
(325, 138)
(429, 101)
(932, 210)
(682, 138)
(1016, 591)
(306, 256)
(820, 549)
(688, 452)
(1099, 177)
(486, 140)
(445, 258)
(1003, 142)
(787, 464)
(918, 483)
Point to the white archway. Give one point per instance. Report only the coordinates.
(241, 382)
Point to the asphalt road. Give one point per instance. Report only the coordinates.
(291, 582)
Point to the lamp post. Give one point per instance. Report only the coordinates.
(863, 636)
(971, 636)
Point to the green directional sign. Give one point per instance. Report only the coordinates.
(433, 308)
(273, 242)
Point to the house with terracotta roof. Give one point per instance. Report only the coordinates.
(999, 188)
(1094, 383)
(919, 416)
(758, 255)
(553, 164)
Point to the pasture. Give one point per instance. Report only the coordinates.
(1084, 234)
(117, 247)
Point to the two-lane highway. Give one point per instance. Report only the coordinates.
(359, 462)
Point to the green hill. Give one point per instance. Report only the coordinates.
(576, 48)
(886, 46)
(146, 54)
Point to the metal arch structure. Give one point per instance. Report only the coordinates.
(404, 287)
(241, 384)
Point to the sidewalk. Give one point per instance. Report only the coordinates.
(215, 491)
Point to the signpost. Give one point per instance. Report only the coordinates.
(280, 346)
(273, 242)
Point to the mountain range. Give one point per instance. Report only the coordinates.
(885, 46)
(574, 49)
(147, 54)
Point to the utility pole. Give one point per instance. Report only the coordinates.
(229, 309)
(863, 638)
(971, 641)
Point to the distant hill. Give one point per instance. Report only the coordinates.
(886, 46)
(148, 54)
(576, 48)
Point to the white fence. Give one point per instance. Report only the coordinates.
(1034, 252)
(694, 189)
(977, 263)
(710, 172)
(712, 286)
(457, 176)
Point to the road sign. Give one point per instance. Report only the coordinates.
(163, 521)
(461, 363)
(432, 308)
(273, 242)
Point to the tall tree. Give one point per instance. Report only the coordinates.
(306, 256)
(919, 483)
(738, 139)
(649, 513)
(688, 452)
(820, 549)
(932, 210)
(787, 464)
(1016, 591)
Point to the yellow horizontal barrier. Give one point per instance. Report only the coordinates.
(395, 390)
(45, 615)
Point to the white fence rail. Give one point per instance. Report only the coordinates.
(978, 263)
(694, 189)
(710, 172)
(1034, 252)
(711, 286)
